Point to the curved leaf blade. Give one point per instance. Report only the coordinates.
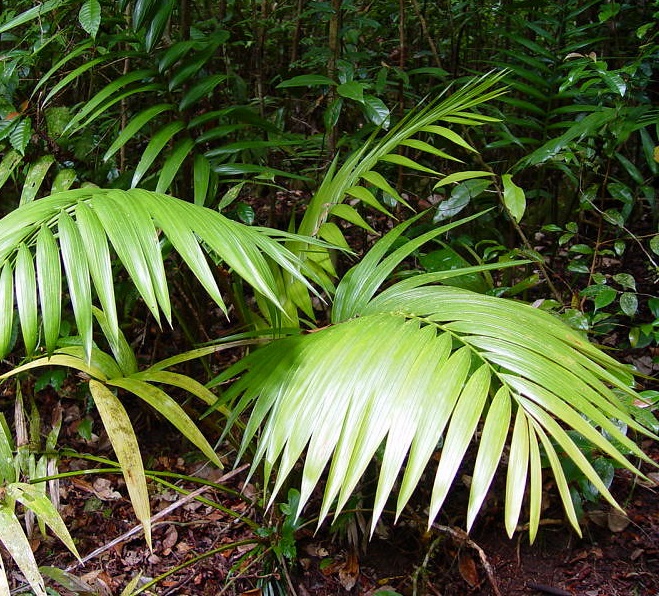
(49, 275)
(124, 442)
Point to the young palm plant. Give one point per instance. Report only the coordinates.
(421, 364)
(412, 365)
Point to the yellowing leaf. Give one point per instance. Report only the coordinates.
(124, 442)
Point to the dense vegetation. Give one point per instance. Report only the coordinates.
(370, 194)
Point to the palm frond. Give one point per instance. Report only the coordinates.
(410, 381)
(81, 229)
(420, 365)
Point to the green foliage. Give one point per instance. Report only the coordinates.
(107, 105)
(421, 363)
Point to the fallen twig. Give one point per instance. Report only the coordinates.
(463, 537)
(154, 518)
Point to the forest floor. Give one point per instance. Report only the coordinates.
(616, 556)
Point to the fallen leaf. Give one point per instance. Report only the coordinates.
(468, 571)
(348, 571)
(599, 518)
(617, 522)
(104, 491)
(170, 539)
(315, 550)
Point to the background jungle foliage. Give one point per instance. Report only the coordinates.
(320, 155)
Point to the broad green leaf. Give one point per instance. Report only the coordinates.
(125, 239)
(570, 449)
(170, 410)
(366, 196)
(142, 11)
(21, 134)
(376, 111)
(49, 275)
(402, 160)
(177, 380)
(74, 257)
(33, 498)
(173, 163)
(330, 232)
(34, 178)
(102, 365)
(536, 488)
(450, 135)
(184, 241)
(351, 90)
(604, 296)
(176, 52)
(518, 467)
(154, 148)
(6, 309)
(106, 97)
(58, 360)
(66, 579)
(351, 215)
(202, 177)
(626, 280)
(200, 90)
(378, 180)
(654, 244)
(15, 541)
(31, 14)
(419, 389)
(460, 176)
(513, 197)
(124, 442)
(121, 350)
(462, 426)
(90, 16)
(428, 148)
(74, 74)
(629, 303)
(461, 196)
(99, 261)
(191, 67)
(332, 113)
(559, 477)
(307, 81)
(63, 180)
(25, 284)
(80, 48)
(230, 195)
(156, 25)
(451, 206)
(134, 126)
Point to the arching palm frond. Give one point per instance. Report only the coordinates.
(419, 366)
(72, 235)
